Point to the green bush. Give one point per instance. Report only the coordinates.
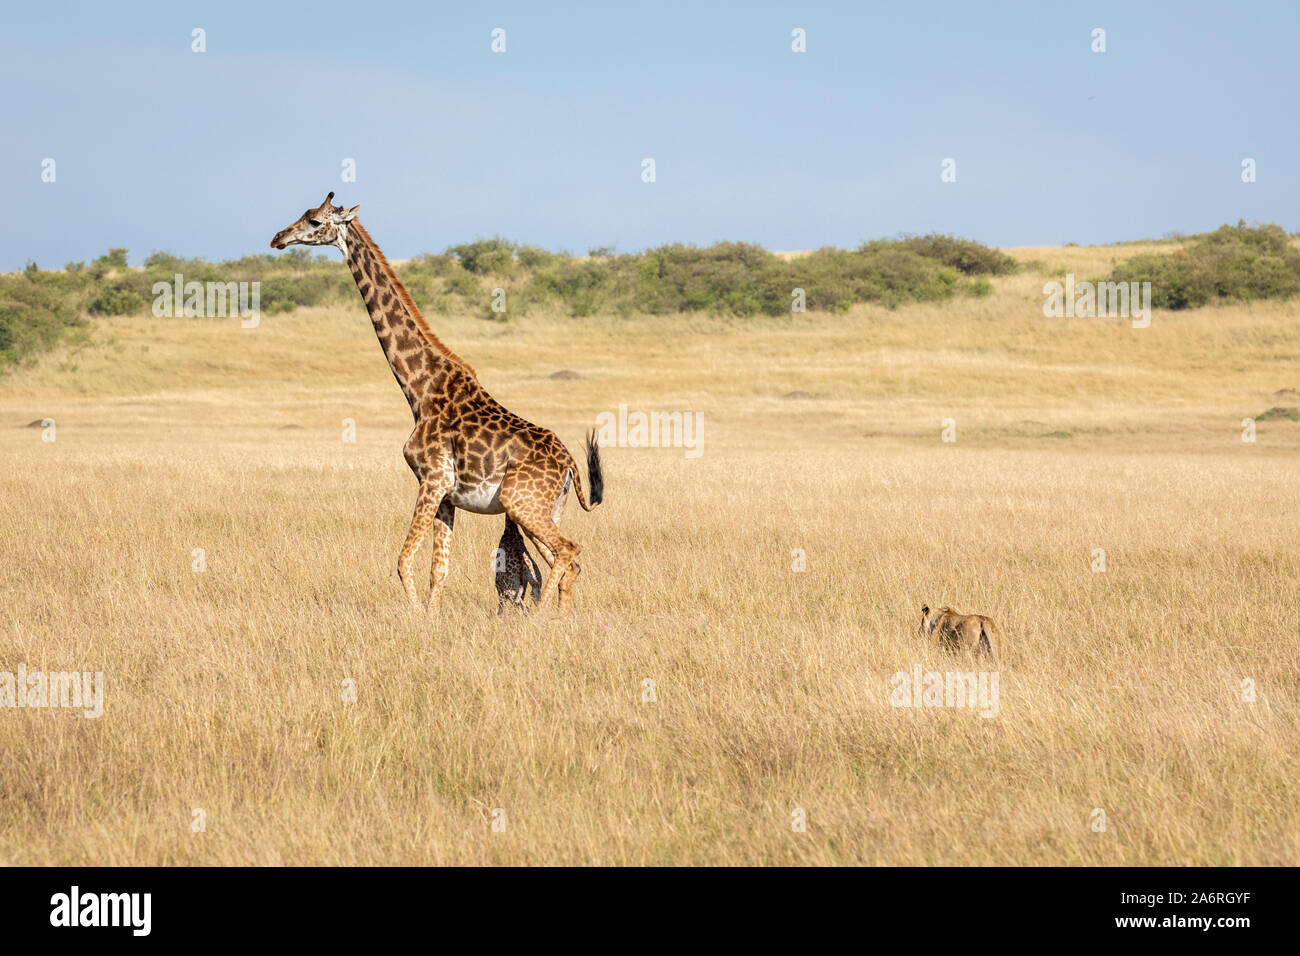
(36, 310)
(485, 256)
(1232, 264)
(163, 262)
(964, 255)
(533, 258)
(113, 259)
(117, 300)
(742, 279)
(465, 285)
(1279, 413)
(441, 265)
(286, 293)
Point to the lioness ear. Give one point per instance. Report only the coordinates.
(925, 609)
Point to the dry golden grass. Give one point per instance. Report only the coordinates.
(1118, 690)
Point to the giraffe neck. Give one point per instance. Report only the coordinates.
(420, 362)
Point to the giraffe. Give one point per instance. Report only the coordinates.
(467, 451)
(516, 571)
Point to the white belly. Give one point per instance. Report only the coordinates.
(484, 499)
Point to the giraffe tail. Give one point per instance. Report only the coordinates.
(594, 475)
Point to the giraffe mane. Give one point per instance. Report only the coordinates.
(408, 303)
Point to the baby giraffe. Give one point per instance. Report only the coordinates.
(516, 571)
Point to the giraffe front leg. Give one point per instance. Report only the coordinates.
(442, 525)
(427, 503)
(425, 506)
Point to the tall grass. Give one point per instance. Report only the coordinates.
(1120, 691)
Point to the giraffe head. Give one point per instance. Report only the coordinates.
(326, 225)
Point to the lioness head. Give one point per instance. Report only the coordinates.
(927, 621)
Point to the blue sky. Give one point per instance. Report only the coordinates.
(160, 148)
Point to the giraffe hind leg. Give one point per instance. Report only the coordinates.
(566, 585)
(532, 493)
(539, 527)
(566, 582)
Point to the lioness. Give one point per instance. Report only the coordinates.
(969, 632)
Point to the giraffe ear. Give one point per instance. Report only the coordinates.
(347, 215)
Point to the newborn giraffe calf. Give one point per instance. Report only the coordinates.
(516, 571)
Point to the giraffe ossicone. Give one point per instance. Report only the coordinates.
(467, 451)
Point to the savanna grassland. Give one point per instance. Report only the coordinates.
(1120, 690)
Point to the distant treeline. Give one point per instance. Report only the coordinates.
(729, 278)
(38, 308)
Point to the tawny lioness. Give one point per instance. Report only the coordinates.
(953, 631)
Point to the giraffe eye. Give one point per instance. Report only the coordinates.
(313, 222)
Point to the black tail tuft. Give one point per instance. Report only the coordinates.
(594, 476)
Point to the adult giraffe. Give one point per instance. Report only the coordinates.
(467, 450)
